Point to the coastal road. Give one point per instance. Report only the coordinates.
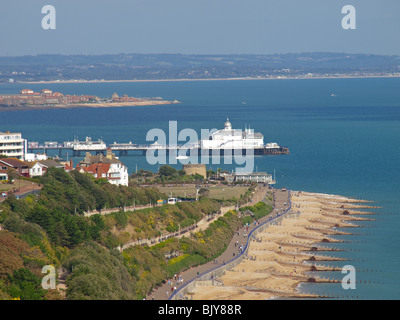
(25, 190)
(239, 239)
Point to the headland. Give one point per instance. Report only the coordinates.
(27, 99)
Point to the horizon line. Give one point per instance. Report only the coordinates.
(196, 54)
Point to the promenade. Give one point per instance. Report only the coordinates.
(239, 239)
(21, 192)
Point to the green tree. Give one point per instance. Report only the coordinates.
(25, 285)
(167, 171)
(12, 174)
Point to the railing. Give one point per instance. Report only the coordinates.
(238, 258)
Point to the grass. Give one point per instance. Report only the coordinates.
(216, 192)
(15, 185)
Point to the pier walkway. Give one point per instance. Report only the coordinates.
(124, 149)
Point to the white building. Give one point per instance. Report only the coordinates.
(12, 145)
(88, 144)
(258, 177)
(108, 167)
(36, 169)
(229, 138)
(118, 174)
(31, 157)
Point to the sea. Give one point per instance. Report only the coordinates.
(343, 136)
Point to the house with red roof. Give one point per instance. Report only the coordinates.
(20, 166)
(107, 167)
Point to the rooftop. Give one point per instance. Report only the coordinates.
(50, 163)
(13, 162)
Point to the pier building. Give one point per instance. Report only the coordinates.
(228, 138)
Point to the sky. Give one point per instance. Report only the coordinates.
(198, 27)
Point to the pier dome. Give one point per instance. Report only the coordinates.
(227, 125)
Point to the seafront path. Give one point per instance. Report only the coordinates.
(23, 191)
(281, 206)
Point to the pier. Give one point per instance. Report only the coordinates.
(77, 147)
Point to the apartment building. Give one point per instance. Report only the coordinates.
(12, 145)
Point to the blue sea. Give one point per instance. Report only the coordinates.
(343, 136)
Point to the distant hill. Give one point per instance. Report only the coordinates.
(179, 66)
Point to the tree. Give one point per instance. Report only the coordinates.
(25, 285)
(61, 235)
(12, 174)
(166, 171)
(204, 192)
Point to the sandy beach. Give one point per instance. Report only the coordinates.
(342, 76)
(282, 256)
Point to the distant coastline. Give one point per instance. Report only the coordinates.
(88, 105)
(215, 79)
(194, 67)
(28, 99)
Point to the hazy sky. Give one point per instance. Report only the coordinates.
(199, 27)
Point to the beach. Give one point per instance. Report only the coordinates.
(303, 77)
(284, 255)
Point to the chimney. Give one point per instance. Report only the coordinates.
(109, 154)
(99, 171)
(87, 157)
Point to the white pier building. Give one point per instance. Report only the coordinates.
(229, 138)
